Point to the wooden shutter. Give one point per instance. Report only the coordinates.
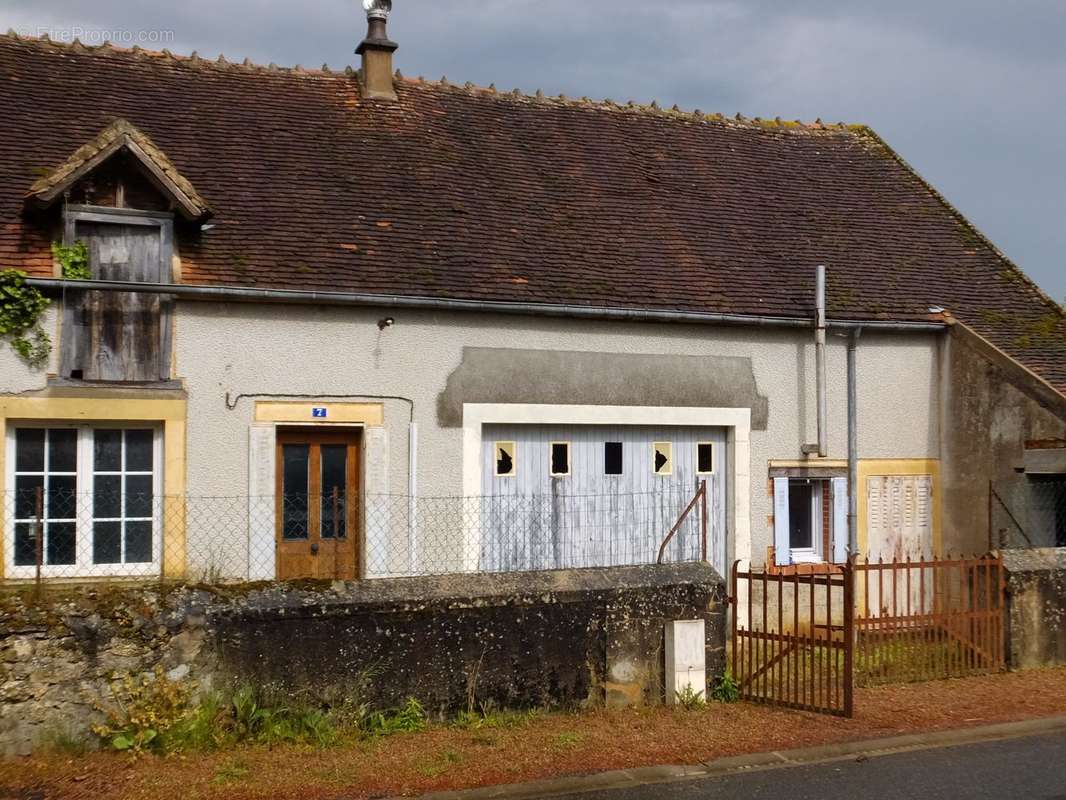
(875, 517)
(120, 336)
(840, 520)
(782, 538)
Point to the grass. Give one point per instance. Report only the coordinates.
(231, 773)
(512, 748)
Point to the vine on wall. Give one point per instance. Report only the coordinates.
(21, 307)
(74, 259)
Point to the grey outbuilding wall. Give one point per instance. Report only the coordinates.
(990, 407)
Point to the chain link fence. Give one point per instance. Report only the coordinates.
(52, 533)
(1028, 513)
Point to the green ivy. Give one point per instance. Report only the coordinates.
(21, 307)
(74, 259)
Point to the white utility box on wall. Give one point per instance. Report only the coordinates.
(686, 658)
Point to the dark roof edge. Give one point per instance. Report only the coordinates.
(961, 219)
(243, 294)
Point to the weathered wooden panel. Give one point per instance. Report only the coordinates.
(119, 336)
(534, 520)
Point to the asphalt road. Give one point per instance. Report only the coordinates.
(1033, 768)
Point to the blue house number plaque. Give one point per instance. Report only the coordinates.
(319, 413)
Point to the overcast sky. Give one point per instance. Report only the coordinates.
(971, 92)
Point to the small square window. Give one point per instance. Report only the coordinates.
(705, 458)
(663, 458)
(612, 458)
(560, 466)
(505, 459)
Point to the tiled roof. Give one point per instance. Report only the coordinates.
(463, 192)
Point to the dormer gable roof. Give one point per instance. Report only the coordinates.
(122, 135)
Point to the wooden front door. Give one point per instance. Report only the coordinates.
(317, 504)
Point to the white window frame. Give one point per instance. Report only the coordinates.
(669, 448)
(714, 458)
(83, 528)
(569, 459)
(614, 475)
(813, 554)
(514, 459)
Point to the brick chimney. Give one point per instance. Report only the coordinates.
(377, 50)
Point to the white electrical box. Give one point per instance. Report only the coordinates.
(686, 658)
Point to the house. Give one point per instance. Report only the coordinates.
(349, 324)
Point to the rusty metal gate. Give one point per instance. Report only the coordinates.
(927, 619)
(793, 638)
(805, 639)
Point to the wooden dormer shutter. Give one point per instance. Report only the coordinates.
(119, 336)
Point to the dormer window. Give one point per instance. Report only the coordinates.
(120, 198)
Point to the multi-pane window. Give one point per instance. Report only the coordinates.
(123, 496)
(45, 482)
(95, 491)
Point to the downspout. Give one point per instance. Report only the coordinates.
(820, 325)
(853, 443)
(823, 395)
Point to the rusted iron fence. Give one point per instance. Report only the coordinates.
(793, 641)
(929, 619)
(805, 640)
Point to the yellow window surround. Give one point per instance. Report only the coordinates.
(170, 412)
(372, 415)
(893, 467)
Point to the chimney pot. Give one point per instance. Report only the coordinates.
(376, 50)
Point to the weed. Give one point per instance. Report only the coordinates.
(690, 698)
(143, 709)
(488, 717)
(726, 689)
(203, 729)
(567, 739)
(66, 742)
(231, 773)
(441, 764)
(407, 718)
(249, 715)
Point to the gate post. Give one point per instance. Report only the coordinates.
(849, 638)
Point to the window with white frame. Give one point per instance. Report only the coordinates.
(96, 491)
(810, 520)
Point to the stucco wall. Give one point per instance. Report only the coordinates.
(244, 349)
(296, 350)
(991, 407)
(15, 376)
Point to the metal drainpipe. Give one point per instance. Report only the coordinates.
(853, 443)
(823, 400)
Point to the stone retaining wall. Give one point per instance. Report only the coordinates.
(539, 639)
(1036, 586)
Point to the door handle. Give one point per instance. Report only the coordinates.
(314, 549)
